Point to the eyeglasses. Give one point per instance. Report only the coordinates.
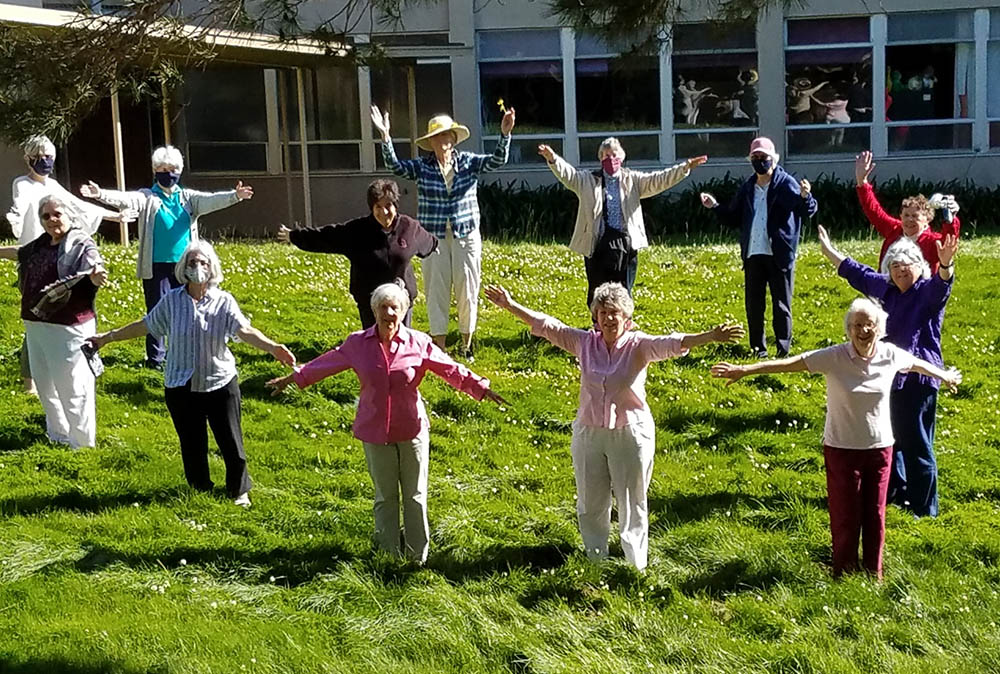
(196, 263)
(51, 215)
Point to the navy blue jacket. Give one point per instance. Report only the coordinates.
(785, 210)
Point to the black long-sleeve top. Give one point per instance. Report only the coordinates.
(377, 256)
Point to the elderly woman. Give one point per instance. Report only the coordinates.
(613, 434)
(200, 379)
(858, 435)
(915, 301)
(768, 208)
(379, 247)
(447, 207)
(59, 275)
(609, 230)
(168, 223)
(28, 191)
(390, 361)
(915, 216)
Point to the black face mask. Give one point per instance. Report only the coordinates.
(762, 165)
(43, 165)
(166, 178)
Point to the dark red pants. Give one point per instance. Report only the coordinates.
(856, 484)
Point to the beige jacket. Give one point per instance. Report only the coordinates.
(635, 185)
(147, 204)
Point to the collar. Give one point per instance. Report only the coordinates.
(372, 333)
(210, 293)
(857, 356)
(160, 192)
(608, 176)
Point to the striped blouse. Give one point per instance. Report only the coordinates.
(197, 333)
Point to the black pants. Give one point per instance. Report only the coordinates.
(152, 290)
(760, 272)
(368, 316)
(613, 260)
(221, 408)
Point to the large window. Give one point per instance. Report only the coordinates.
(412, 93)
(333, 119)
(523, 68)
(616, 95)
(235, 140)
(828, 85)
(930, 91)
(993, 78)
(715, 89)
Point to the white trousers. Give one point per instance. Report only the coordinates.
(620, 462)
(396, 467)
(457, 262)
(64, 381)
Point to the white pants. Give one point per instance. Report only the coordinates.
(458, 262)
(395, 467)
(64, 381)
(618, 461)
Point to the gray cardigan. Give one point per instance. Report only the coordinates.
(147, 204)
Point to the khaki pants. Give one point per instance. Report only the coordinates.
(457, 262)
(401, 467)
(614, 461)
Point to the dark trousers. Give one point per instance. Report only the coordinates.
(760, 273)
(913, 484)
(613, 261)
(152, 290)
(368, 316)
(221, 408)
(856, 485)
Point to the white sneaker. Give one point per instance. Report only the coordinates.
(243, 500)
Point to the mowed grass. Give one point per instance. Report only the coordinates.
(108, 563)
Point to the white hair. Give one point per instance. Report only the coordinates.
(612, 296)
(610, 143)
(390, 291)
(68, 213)
(907, 252)
(206, 249)
(869, 307)
(168, 155)
(37, 146)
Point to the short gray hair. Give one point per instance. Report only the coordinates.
(68, 213)
(907, 252)
(612, 296)
(390, 291)
(206, 249)
(866, 305)
(168, 155)
(610, 143)
(38, 145)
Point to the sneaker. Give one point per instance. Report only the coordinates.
(243, 500)
(760, 354)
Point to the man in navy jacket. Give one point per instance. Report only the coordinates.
(769, 208)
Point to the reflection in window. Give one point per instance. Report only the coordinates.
(615, 92)
(391, 90)
(332, 116)
(637, 148)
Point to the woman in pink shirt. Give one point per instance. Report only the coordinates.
(857, 437)
(613, 434)
(390, 361)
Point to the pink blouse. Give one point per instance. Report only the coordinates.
(612, 382)
(390, 408)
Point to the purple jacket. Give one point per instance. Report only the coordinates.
(915, 316)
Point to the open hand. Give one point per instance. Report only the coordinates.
(947, 247)
(823, 236)
(727, 333)
(283, 355)
(99, 276)
(279, 384)
(243, 191)
(953, 379)
(728, 371)
(499, 296)
(695, 162)
(90, 190)
(284, 234)
(381, 122)
(708, 201)
(127, 215)
(805, 188)
(863, 167)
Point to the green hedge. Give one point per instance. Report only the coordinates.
(513, 211)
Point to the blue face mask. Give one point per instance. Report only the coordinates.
(762, 164)
(166, 178)
(43, 165)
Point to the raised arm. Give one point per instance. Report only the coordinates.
(543, 325)
(736, 372)
(258, 340)
(133, 200)
(483, 163)
(831, 253)
(651, 184)
(571, 178)
(884, 224)
(947, 248)
(409, 168)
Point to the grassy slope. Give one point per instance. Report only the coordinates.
(108, 563)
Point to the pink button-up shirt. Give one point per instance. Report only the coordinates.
(612, 382)
(390, 408)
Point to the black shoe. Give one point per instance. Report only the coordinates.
(760, 354)
(153, 365)
(467, 355)
(782, 354)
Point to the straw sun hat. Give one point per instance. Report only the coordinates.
(439, 124)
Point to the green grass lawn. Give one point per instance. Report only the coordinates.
(108, 563)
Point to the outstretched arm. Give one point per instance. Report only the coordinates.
(723, 334)
(130, 331)
(258, 340)
(832, 254)
(8, 252)
(951, 377)
(499, 296)
(736, 372)
(543, 325)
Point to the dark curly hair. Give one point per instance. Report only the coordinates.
(381, 189)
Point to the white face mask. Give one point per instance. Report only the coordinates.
(197, 274)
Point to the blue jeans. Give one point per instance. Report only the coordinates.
(152, 290)
(913, 482)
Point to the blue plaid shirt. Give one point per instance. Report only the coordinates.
(436, 206)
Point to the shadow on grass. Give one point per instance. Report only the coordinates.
(735, 576)
(684, 508)
(730, 423)
(60, 665)
(500, 558)
(27, 432)
(76, 501)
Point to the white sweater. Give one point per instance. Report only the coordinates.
(28, 193)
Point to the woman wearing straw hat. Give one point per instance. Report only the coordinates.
(448, 209)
